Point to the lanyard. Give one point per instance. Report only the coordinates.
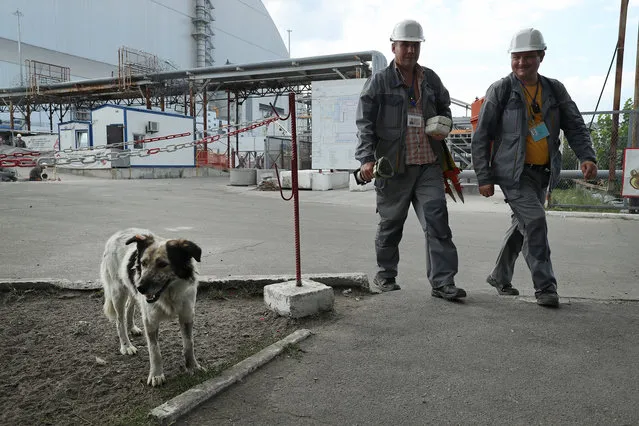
(412, 98)
(534, 106)
(411, 94)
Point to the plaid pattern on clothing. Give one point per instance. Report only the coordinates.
(418, 149)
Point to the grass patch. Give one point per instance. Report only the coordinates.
(293, 350)
(575, 196)
(575, 199)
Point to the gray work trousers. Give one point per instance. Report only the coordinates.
(422, 186)
(528, 232)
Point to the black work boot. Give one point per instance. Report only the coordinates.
(548, 299)
(449, 292)
(506, 289)
(386, 284)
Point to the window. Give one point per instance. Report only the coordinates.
(81, 139)
(138, 137)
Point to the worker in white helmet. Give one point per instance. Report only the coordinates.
(19, 142)
(516, 145)
(395, 149)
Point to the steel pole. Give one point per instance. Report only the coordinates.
(634, 121)
(617, 96)
(19, 15)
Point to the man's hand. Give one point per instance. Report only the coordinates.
(487, 190)
(366, 171)
(589, 169)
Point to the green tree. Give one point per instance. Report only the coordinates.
(569, 160)
(602, 136)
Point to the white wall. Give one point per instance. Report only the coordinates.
(67, 133)
(136, 121)
(102, 117)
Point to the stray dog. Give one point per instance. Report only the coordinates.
(161, 277)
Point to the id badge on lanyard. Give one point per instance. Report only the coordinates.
(539, 131)
(415, 120)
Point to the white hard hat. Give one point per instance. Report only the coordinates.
(19, 135)
(407, 30)
(527, 40)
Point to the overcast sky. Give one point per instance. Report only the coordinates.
(467, 40)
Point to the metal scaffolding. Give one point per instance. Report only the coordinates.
(183, 90)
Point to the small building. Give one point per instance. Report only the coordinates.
(121, 129)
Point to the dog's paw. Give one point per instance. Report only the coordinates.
(136, 331)
(192, 369)
(156, 380)
(128, 349)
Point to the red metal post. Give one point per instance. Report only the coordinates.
(296, 202)
(205, 113)
(228, 135)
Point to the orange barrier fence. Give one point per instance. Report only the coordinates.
(210, 159)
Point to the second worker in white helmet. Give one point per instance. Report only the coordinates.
(393, 108)
(516, 146)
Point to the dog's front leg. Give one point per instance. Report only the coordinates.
(156, 372)
(186, 328)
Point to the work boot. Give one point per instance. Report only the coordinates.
(548, 299)
(386, 284)
(449, 292)
(506, 289)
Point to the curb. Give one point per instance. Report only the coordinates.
(587, 215)
(180, 405)
(255, 281)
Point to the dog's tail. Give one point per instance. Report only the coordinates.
(109, 309)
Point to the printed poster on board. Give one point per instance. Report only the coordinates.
(630, 187)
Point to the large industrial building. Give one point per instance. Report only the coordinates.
(54, 41)
(85, 36)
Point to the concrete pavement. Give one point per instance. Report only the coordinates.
(401, 357)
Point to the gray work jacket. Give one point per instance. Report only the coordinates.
(503, 118)
(382, 115)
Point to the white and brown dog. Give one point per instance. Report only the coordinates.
(161, 276)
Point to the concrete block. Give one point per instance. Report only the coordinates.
(322, 182)
(287, 299)
(340, 179)
(266, 174)
(285, 177)
(304, 179)
(353, 186)
(243, 177)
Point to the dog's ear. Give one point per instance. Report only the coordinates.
(183, 250)
(143, 241)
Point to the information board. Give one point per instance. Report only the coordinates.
(334, 104)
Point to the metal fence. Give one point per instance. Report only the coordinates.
(611, 132)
